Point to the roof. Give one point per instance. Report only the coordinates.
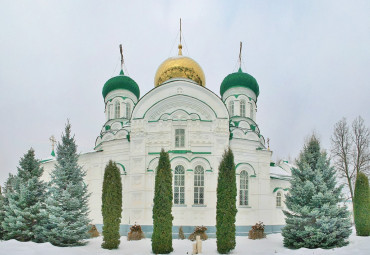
(239, 79)
(121, 82)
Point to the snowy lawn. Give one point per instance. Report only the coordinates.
(273, 244)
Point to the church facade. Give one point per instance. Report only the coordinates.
(195, 126)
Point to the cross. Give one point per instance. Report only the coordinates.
(240, 55)
(268, 143)
(120, 49)
(53, 141)
(180, 45)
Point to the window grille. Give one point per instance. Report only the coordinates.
(242, 108)
(199, 185)
(179, 186)
(179, 138)
(243, 191)
(128, 111)
(278, 199)
(117, 109)
(231, 108)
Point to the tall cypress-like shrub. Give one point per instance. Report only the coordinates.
(226, 204)
(162, 208)
(2, 214)
(67, 203)
(111, 206)
(361, 205)
(25, 204)
(315, 218)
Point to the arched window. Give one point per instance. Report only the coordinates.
(179, 186)
(251, 110)
(117, 109)
(231, 108)
(199, 185)
(128, 111)
(243, 191)
(278, 199)
(109, 111)
(242, 108)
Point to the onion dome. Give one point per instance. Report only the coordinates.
(239, 79)
(179, 67)
(121, 82)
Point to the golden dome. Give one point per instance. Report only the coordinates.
(179, 67)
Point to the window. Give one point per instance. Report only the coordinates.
(243, 192)
(117, 110)
(278, 199)
(179, 138)
(109, 111)
(179, 186)
(251, 110)
(231, 108)
(128, 111)
(242, 108)
(199, 185)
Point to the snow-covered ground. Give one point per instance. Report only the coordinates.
(273, 244)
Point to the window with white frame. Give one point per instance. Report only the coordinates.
(231, 108)
(117, 109)
(243, 188)
(179, 138)
(278, 199)
(109, 111)
(199, 185)
(179, 186)
(128, 111)
(242, 108)
(251, 110)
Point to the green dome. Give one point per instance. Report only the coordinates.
(121, 82)
(239, 79)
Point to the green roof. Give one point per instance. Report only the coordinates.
(239, 79)
(121, 82)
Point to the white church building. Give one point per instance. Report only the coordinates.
(195, 126)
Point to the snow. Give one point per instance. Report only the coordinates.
(273, 244)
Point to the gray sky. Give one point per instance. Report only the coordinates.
(310, 58)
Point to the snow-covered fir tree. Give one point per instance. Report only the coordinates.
(24, 203)
(315, 218)
(1, 214)
(67, 203)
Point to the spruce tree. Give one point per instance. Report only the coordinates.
(162, 215)
(361, 205)
(23, 209)
(226, 204)
(67, 203)
(111, 206)
(315, 218)
(2, 214)
(4, 201)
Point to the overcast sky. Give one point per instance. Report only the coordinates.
(310, 58)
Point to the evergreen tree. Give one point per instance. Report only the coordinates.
(2, 214)
(162, 215)
(67, 203)
(361, 205)
(226, 204)
(111, 206)
(314, 218)
(23, 210)
(4, 201)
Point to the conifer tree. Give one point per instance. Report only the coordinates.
(314, 218)
(67, 203)
(226, 204)
(7, 189)
(2, 214)
(23, 209)
(162, 208)
(361, 205)
(111, 206)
